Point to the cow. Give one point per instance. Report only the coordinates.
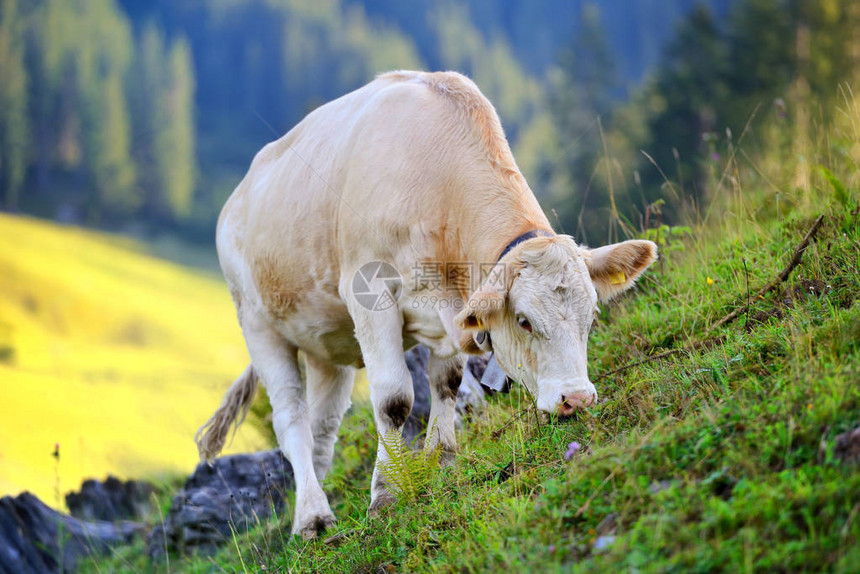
(326, 245)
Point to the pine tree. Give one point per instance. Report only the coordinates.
(692, 92)
(101, 63)
(146, 105)
(161, 96)
(581, 102)
(174, 141)
(14, 127)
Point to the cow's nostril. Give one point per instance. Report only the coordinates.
(566, 409)
(574, 402)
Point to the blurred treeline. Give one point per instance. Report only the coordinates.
(130, 113)
(766, 94)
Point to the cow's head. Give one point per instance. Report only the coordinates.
(537, 306)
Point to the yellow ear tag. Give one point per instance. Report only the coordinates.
(618, 278)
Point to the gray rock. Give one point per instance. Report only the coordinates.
(30, 535)
(111, 500)
(234, 493)
(417, 359)
(659, 486)
(608, 524)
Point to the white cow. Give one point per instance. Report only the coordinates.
(412, 170)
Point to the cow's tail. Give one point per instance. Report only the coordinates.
(210, 438)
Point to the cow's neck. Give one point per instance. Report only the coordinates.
(495, 225)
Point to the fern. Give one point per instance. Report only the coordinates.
(839, 192)
(408, 472)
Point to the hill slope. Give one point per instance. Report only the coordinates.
(113, 354)
(721, 456)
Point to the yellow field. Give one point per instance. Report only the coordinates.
(115, 355)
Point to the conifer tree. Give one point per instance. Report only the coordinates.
(101, 63)
(145, 97)
(581, 102)
(13, 104)
(174, 141)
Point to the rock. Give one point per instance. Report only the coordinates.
(477, 365)
(417, 359)
(607, 525)
(234, 493)
(30, 533)
(848, 447)
(111, 500)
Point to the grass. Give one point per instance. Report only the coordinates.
(716, 459)
(113, 354)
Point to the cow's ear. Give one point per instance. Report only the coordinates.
(479, 309)
(614, 268)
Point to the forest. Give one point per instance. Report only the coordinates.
(144, 115)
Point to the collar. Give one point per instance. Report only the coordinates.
(524, 237)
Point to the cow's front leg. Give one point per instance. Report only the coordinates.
(275, 361)
(445, 376)
(380, 335)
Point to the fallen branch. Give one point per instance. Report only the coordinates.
(780, 278)
(796, 258)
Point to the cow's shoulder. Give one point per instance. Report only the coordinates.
(469, 104)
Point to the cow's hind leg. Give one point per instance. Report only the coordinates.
(445, 376)
(275, 360)
(329, 388)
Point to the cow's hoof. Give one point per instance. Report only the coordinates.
(448, 458)
(384, 500)
(317, 525)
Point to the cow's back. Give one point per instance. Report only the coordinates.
(377, 174)
(276, 235)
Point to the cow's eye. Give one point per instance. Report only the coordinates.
(524, 323)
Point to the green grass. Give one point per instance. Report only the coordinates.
(110, 352)
(715, 459)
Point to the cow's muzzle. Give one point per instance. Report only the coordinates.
(564, 399)
(577, 401)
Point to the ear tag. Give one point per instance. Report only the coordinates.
(618, 278)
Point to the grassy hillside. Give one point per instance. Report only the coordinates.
(113, 354)
(718, 458)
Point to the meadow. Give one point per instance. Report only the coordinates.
(721, 456)
(109, 352)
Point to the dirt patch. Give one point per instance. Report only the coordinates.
(501, 475)
(802, 289)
